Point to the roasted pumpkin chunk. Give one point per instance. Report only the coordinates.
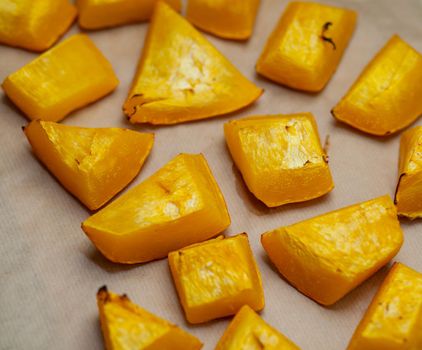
(249, 331)
(126, 326)
(179, 205)
(230, 20)
(409, 189)
(387, 96)
(327, 256)
(95, 14)
(67, 77)
(306, 47)
(280, 157)
(216, 278)
(182, 77)
(34, 25)
(92, 164)
(393, 321)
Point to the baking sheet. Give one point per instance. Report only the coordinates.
(50, 271)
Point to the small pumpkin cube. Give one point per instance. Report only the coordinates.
(408, 197)
(61, 80)
(280, 157)
(306, 47)
(179, 205)
(249, 331)
(93, 164)
(182, 77)
(327, 256)
(394, 318)
(34, 25)
(387, 96)
(232, 19)
(216, 278)
(96, 14)
(126, 326)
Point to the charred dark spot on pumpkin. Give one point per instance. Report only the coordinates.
(326, 27)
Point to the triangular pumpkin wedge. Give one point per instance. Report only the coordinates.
(93, 164)
(127, 326)
(182, 77)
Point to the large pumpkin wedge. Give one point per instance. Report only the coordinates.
(182, 77)
(92, 164)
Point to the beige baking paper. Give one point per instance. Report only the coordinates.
(50, 271)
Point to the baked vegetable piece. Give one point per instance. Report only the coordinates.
(67, 77)
(232, 19)
(182, 77)
(216, 278)
(280, 157)
(393, 321)
(306, 47)
(249, 331)
(179, 205)
(387, 96)
(408, 197)
(327, 256)
(96, 14)
(127, 326)
(34, 25)
(92, 164)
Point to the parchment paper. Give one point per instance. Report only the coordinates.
(50, 271)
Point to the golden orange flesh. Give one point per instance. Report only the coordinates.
(61, 80)
(387, 96)
(306, 46)
(93, 164)
(280, 157)
(229, 20)
(179, 205)
(393, 320)
(327, 256)
(216, 278)
(182, 77)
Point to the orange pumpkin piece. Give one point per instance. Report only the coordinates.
(408, 197)
(232, 19)
(306, 47)
(126, 326)
(182, 77)
(34, 25)
(93, 164)
(96, 14)
(61, 80)
(179, 205)
(216, 278)
(387, 96)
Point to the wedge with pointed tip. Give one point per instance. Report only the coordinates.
(126, 326)
(93, 164)
(179, 205)
(182, 77)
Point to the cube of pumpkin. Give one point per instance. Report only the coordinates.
(280, 157)
(306, 47)
(387, 96)
(67, 77)
(93, 164)
(126, 326)
(249, 331)
(182, 77)
(408, 197)
(394, 318)
(179, 205)
(327, 256)
(95, 14)
(229, 20)
(34, 25)
(216, 278)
